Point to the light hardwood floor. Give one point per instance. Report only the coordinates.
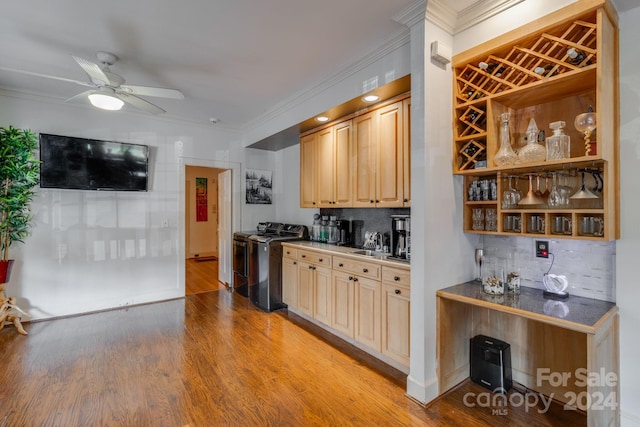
(201, 276)
(208, 359)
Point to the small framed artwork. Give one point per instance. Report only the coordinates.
(259, 184)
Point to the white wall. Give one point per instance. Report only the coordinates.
(94, 250)
(628, 247)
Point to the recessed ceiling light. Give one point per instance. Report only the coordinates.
(371, 98)
(322, 119)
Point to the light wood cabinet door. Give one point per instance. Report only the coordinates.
(395, 322)
(390, 166)
(364, 160)
(342, 302)
(322, 294)
(326, 167)
(406, 152)
(367, 312)
(308, 171)
(290, 282)
(305, 288)
(342, 178)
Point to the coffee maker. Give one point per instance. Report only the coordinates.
(344, 232)
(401, 237)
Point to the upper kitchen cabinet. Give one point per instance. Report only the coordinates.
(379, 158)
(550, 70)
(362, 160)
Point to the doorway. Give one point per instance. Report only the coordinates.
(232, 208)
(204, 198)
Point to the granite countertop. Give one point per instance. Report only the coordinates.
(578, 313)
(380, 257)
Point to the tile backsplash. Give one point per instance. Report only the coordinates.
(588, 265)
(367, 219)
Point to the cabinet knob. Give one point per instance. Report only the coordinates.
(405, 200)
(355, 279)
(295, 263)
(303, 256)
(377, 201)
(320, 259)
(397, 292)
(396, 278)
(313, 203)
(341, 265)
(365, 270)
(350, 277)
(370, 201)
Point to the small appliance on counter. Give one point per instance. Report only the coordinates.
(344, 231)
(401, 237)
(491, 363)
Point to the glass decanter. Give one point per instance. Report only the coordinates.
(505, 155)
(532, 152)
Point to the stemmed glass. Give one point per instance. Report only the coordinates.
(510, 196)
(531, 198)
(583, 192)
(555, 198)
(586, 123)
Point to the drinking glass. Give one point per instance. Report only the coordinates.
(555, 199)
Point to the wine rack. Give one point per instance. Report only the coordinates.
(551, 69)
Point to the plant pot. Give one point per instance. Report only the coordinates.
(5, 270)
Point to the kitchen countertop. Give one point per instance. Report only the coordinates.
(381, 258)
(576, 313)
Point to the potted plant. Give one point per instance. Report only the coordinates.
(19, 174)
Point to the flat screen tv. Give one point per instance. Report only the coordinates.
(89, 164)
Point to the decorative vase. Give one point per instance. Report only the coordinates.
(505, 156)
(5, 270)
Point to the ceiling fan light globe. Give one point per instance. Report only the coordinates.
(105, 102)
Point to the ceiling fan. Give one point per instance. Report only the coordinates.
(108, 90)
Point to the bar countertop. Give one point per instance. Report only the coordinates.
(577, 313)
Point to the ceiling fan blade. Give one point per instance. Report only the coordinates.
(80, 96)
(152, 91)
(140, 103)
(93, 70)
(46, 76)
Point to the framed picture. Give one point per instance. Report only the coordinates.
(201, 199)
(258, 187)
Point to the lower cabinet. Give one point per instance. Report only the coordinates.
(314, 291)
(396, 309)
(322, 294)
(342, 302)
(363, 300)
(290, 282)
(367, 312)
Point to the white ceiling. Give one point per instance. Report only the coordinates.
(232, 59)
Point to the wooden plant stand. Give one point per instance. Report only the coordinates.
(10, 313)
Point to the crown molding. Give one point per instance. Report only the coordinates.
(454, 22)
(413, 14)
(398, 40)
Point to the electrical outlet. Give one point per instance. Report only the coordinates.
(542, 248)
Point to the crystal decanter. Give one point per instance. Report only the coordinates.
(505, 155)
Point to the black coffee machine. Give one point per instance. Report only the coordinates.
(344, 232)
(401, 237)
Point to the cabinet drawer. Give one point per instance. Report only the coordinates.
(361, 268)
(289, 252)
(396, 276)
(314, 257)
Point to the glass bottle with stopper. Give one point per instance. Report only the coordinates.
(532, 152)
(505, 155)
(559, 144)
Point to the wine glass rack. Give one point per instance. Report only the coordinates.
(551, 69)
